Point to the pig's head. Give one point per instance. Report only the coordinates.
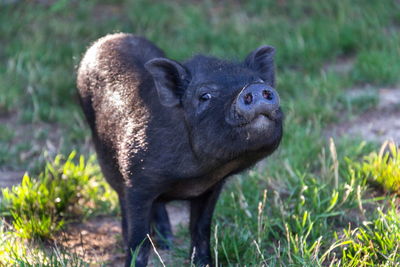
(228, 108)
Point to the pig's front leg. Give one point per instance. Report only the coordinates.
(201, 211)
(138, 214)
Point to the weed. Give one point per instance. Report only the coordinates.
(375, 242)
(383, 167)
(15, 251)
(39, 206)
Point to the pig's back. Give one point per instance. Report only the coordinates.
(115, 63)
(111, 72)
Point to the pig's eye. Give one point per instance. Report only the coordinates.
(205, 97)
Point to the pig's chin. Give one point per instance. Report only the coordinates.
(260, 123)
(261, 132)
(259, 128)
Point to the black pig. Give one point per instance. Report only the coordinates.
(165, 130)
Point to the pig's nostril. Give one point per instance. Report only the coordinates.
(248, 98)
(267, 94)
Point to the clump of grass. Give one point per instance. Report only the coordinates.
(375, 242)
(15, 251)
(384, 167)
(39, 206)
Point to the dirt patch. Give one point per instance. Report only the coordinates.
(389, 99)
(10, 178)
(99, 240)
(372, 126)
(377, 125)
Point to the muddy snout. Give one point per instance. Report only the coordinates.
(257, 99)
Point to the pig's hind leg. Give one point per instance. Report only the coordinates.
(138, 207)
(161, 226)
(123, 220)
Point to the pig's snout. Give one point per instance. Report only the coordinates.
(257, 99)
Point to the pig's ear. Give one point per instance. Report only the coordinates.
(170, 79)
(262, 61)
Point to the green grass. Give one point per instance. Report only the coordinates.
(383, 168)
(375, 241)
(310, 206)
(377, 67)
(292, 221)
(15, 251)
(40, 206)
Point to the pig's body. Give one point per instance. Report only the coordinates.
(152, 147)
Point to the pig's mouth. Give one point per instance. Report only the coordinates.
(260, 123)
(262, 131)
(260, 120)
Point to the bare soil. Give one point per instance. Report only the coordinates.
(379, 124)
(99, 240)
(96, 241)
(10, 178)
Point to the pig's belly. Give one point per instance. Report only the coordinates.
(190, 188)
(194, 187)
